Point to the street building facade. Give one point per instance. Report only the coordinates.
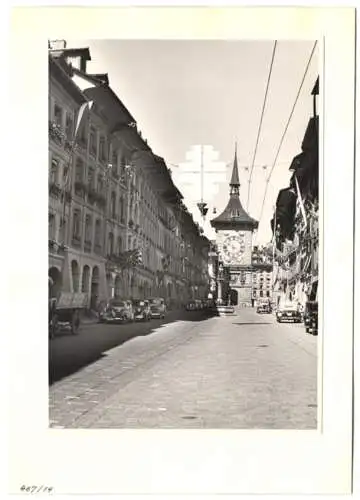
(296, 222)
(117, 223)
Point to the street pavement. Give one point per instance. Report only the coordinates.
(193, 370)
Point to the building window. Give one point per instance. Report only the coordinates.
(76, 224)
(97, 232)
(102, 148)
(79, 170)
(58, 114)
(82, 134)
(54, 170)
(114, 162)
(129, 243)
(91, 177)
(261, 293)
(113, 205)
(267, 294)
(136, 216)
(100, 184)
(111, 244)
(51, 226)
(88, 228)
(122, 165)
(69, 127)
(119, 245)
(93, 141)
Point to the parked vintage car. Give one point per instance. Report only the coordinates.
(156, 311)
(141, 310)
(288, 312)
(311, 317)
(117, 311)
(190, 305)
(158, 307)
(199, 304)
(264, 308)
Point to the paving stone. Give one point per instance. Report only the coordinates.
(216, 371)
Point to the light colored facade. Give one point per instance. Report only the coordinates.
(72, 265)
(120, 198)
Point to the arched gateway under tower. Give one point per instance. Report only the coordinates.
(234, 231)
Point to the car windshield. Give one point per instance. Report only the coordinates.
(138, 303)
(156, 302)
(117, 303)
(289, 306)
(312, 307)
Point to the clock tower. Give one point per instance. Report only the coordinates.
(234, 231)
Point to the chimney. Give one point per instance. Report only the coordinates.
(57, 44)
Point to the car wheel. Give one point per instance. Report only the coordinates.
(75, 323)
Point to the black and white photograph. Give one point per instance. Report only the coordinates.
(183, 234)
(194, 270)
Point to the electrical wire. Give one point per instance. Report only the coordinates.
(261, 120)
(286, 129)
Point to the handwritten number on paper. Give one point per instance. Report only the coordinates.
(36, 489)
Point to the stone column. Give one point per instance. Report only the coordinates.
(219, 295)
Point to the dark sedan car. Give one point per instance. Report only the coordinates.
(141, 310)
(311, 317)
(117, 311)
(288, 313)
(157, 312)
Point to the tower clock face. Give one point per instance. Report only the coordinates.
(234, 248)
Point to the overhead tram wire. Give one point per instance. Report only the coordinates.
(286, 128)
(260, 124)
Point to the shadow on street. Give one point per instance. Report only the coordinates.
(254, 323)
(69, 353)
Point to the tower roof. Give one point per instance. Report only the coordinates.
(235, 173)
(234, 215)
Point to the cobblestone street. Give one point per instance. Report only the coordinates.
(243, 371)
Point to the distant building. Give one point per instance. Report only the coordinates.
(262, 274)
(234, 231)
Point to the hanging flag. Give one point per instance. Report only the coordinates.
(302, 208)
(82, 109)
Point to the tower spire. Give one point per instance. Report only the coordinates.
(234, 182)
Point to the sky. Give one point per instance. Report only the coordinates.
(185, 94)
